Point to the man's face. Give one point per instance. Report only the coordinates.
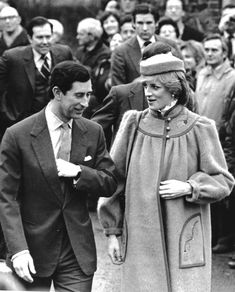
(214, 52)
(127, 31)
(127, 6)
(41, 38)
(9, 19)
(145, 26)
(75, 101)
(174, 10)
(83, 37)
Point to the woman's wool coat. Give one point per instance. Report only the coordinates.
(166, 243)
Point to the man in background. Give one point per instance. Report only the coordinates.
(25, 71)
(125, 58)
(13, 34)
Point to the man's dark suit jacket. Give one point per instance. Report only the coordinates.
(17, 81)
(120, 99)
(126, 59)
(32, 206)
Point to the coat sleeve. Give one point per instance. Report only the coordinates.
(111, 210)
(212, 182)
(10, 177)
(100, 179)
(108, 113)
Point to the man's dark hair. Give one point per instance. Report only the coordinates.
(65, 74)
(145, 8)
(155, 49)
(37, 21)
(125, 18)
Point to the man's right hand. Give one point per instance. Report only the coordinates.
(23, 265)
(114, 250)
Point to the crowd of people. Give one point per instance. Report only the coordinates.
(137, 123)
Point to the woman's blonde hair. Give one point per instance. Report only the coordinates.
(175, 82)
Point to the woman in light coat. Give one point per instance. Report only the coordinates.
(171, 167)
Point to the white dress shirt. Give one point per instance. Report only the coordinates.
(39, 61)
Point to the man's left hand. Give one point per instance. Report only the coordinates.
(67, 169)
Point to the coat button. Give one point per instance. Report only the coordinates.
(168, 119)
(58, 230)
(167, 137)
(168, 129)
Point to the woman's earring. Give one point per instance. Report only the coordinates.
(173, 96)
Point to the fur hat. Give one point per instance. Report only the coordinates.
(161, 63)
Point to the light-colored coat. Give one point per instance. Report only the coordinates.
(167, 243)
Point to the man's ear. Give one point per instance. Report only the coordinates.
(57, 93)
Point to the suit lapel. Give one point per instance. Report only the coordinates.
(42, 146)
(79, 142)
(29, 66)
(136, 96)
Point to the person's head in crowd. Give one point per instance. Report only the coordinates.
(40, 34)
(167, 28)
(164, 80)
(126, 27)
(127, 6)
(145, 18)
(58, 30)
(216, 50)
(70, 89)
(89, 32)
(112, 6)
(226, 24)
(9, 19)
(175, 9)
(194, 56)
(110, 22)
(115, 41)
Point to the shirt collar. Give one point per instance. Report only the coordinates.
(141, 41)
(220, 70)
(37, 56)
(53, 122)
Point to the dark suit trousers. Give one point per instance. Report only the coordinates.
(68, 276)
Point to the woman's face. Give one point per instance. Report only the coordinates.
(158, 96)
(168, 31)
(111, 25)
(189, 60)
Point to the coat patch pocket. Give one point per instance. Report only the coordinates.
(191, 244)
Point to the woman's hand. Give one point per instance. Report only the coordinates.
(172, 189)
(114, 250)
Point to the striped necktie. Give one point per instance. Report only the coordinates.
(45, 69)
(65, 142)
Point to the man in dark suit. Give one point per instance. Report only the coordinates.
(125, 58)
(23, 86)
(49, 162)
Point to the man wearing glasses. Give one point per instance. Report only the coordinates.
(13, 34)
